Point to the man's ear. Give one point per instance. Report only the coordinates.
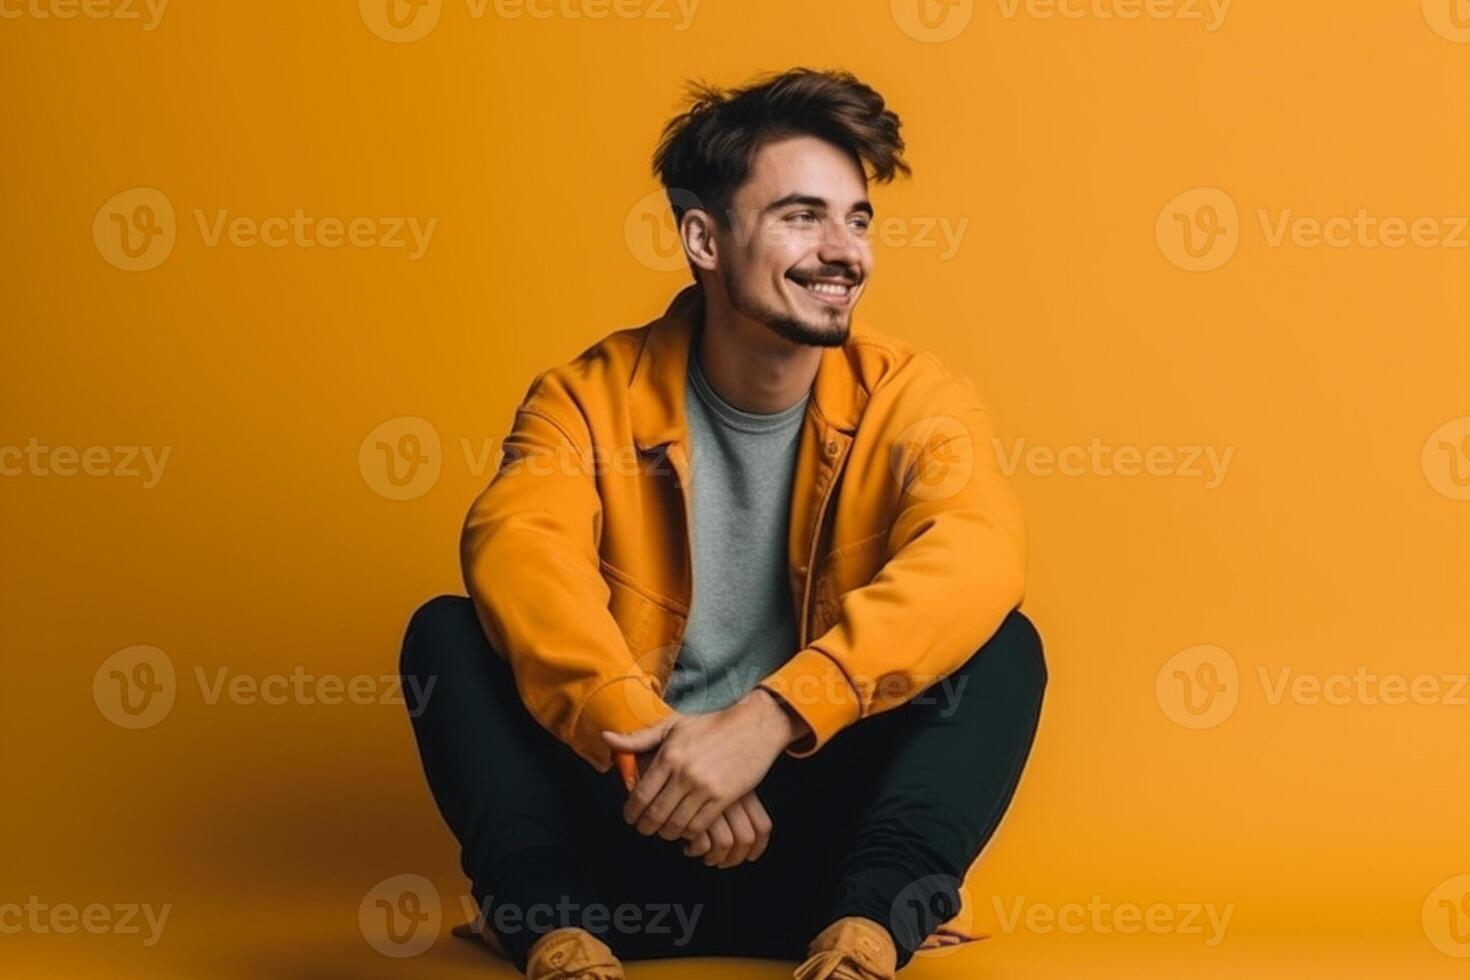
(697, 233)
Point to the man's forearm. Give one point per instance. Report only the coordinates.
(777, 716)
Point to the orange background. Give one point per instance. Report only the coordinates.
(1337, 539)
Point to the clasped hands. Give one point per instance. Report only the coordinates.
(698, 774)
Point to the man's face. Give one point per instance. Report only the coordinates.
(796, 255)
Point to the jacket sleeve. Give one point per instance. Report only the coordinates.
(529, 552)
(955, 570)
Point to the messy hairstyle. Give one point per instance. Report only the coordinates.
(706, 152)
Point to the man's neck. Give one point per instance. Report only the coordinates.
(749, 365)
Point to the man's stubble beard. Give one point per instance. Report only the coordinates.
(832, 333)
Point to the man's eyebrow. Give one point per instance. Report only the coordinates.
(813, 201)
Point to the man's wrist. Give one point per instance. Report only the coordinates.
(779, 716)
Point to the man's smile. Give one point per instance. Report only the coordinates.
(828, 291)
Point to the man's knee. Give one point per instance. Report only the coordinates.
(1013, 658)
(440, 633)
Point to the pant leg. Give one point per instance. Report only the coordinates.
(926, 785)
(782, 900)
(665, 905)
(515, 797)
(541, 832)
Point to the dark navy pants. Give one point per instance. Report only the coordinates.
(882, 822)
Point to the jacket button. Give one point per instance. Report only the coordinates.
(831, 447)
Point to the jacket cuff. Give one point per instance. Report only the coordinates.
(816, 688)
(624, 704)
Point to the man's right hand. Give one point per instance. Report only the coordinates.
(741, 833)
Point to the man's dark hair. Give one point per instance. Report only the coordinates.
(706, 151)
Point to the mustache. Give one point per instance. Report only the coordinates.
(847, 275)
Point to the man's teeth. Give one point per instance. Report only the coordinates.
(828, 288)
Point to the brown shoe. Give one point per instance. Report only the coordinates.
(853, 948)
(572, 954)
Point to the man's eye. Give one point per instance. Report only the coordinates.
(861, 225)
(803, 216)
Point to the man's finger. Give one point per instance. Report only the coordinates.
(707, 815)
(721, 840)
(698, 847)
(761, 821)
(743, 832)
(662, 807)
(650, 784)
(643, 740)
(678, 823)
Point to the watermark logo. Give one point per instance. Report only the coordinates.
(1450, 19)
(1446, 916)
(1198, 687)
(654, 919)
(1209, 464)
(40, 461)
(301, 687)
(405, 21)
(932, 21)
(135, 230)
(1363, 687)
(1201, 687)
(1362, 229)
(940, 899)
(1446, 459)
(307, 231)
(1199, 229)
(652, 236)
(1211, 13)
(401, 459)
(401, 915)
(135, 688)
(939, 233)
(65, 919)
(933, 458)
(149, 13)
(400, 21)
(650, 233)
(1206, 920)
(696, 690)
(679, 13)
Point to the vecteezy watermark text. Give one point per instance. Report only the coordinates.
(136, 230)
(148, 12)
(1201, 686)
(96, 918)
(1211, 13)
(1209, 463)
(1123, 918)
(654, 918)
(120, 462)
(406, 21)
(137, 686)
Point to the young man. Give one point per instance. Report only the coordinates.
(765, 554)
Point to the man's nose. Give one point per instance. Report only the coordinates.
(840, 246)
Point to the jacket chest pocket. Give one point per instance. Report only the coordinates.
(649, 626)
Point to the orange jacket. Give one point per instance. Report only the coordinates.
(906, 546)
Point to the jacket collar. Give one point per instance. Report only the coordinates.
(656, 388)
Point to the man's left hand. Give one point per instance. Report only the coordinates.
(704, 763)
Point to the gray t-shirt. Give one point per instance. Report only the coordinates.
(741, 625)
